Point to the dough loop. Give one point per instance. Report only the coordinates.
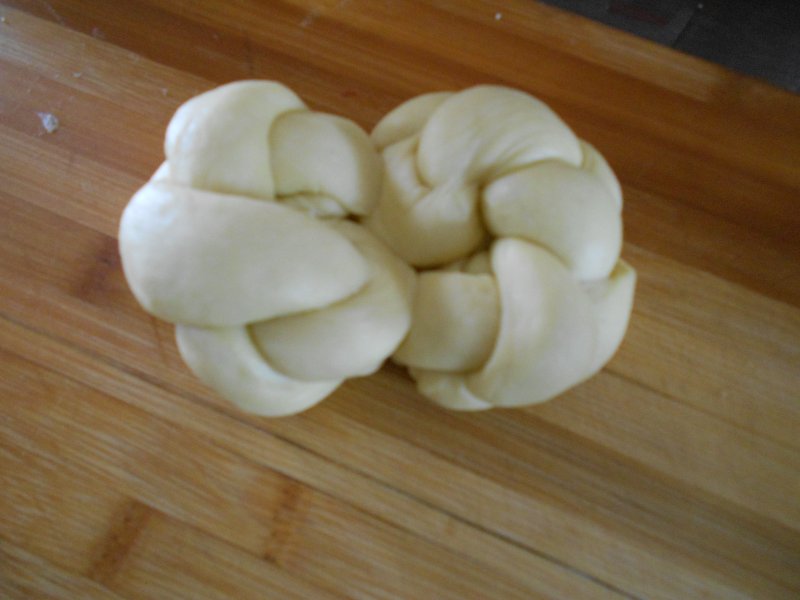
(516, 227)
(242, 240)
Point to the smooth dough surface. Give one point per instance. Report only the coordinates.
(202, 258)
(425, 226)
(219, 141)
(226, 359)
(546, 339)
(352, 337)
(548, 304)
(242, 239)
(486, 131)
(315, 153)
(561, 207)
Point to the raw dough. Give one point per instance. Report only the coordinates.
(245, 239)
(240, 238)
(518, 226)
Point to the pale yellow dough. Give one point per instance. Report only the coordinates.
(246, 238)
(517, 226)
(240, 239)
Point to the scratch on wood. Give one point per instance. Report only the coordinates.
(248, 49)
(287, 512)
(122, 536)
(162, 354)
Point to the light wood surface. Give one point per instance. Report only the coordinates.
(675, 473)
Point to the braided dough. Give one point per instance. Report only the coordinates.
(246, 239)
(517, 224)
(241, 239)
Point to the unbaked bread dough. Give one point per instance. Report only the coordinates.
(241, 239)
(515, 225)
(248, 239)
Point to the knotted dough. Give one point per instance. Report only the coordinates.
(241, 239)
(516, 227)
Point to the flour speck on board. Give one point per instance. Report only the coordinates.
(498, 16)
(49, 121)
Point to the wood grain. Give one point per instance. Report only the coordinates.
(675, 473)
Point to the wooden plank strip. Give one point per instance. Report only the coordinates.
(697, 239)
(717, 139)
(49, 511)
(514, 514)
(541, 459)
(323, 435)
(191, 478)
(714, 346)
(85, 127)
(517, 523)
(24, 576)
(203, 55)
(107, 72)
(699, 151)
(701, 450)
(420, 25)
(633, 57)
(127, 551)
(243, 436)
(64, 181)
(194, 481)
(576, 37)
(172, 560)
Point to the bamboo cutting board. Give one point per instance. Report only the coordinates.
(675, 473)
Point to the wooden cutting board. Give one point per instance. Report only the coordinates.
(675, 473)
